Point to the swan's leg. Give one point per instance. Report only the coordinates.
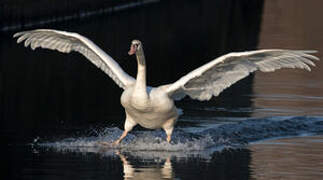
(169, 132)
(129, 124)
(123, 135)
(169, 127)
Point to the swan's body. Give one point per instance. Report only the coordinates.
(154, 108)
(157, 111)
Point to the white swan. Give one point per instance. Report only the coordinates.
(153, 107)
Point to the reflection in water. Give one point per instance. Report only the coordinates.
(292, 158)
(164, 171)
(48, 164)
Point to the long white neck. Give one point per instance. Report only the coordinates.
(141, 73)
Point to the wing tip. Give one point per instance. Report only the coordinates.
(17, 34)
(310, 51)
(308, 54)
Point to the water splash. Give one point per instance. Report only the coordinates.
(186, 143)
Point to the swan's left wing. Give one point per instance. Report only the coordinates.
(212, 78)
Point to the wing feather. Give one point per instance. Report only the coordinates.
(66, 42)
(212, 78)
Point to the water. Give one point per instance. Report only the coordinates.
(295, 160)
(55, 108)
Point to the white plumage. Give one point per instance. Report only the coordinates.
(212, 78)
(66, 42)
(154, 107)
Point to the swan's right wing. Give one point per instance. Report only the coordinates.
(66, 42)
(212, 78)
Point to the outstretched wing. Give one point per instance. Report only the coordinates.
(212, 78)
(66, 42)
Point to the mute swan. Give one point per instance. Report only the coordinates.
(153, 107)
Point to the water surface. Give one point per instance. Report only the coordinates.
(288, 158)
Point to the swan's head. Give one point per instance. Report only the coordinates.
(135, 47)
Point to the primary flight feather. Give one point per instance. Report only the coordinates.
(153, 107)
